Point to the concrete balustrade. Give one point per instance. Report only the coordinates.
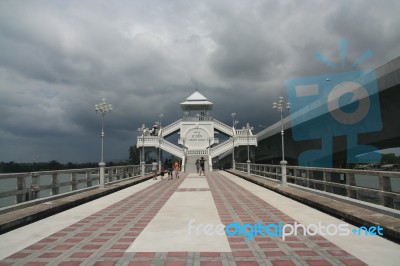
(22, 187)
(197, 118)
(344, 182)
(197, 152)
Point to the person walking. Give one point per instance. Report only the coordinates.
(162, 172)
(154, 169)
(197, 163)
(176, 169)
(202, 162)
(169, 169)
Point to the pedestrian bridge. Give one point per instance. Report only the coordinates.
(135, 220)
(197, 131)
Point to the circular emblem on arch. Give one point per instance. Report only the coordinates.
(359, 93)
(196, 138)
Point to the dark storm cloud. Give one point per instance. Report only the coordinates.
(369, 25)
(60, 58)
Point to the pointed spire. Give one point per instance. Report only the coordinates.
(196, 101)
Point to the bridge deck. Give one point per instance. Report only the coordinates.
(174, 222)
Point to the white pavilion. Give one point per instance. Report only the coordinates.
(197, 130)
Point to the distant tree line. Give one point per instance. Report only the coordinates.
(14, 167)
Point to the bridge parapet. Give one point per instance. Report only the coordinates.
(197, 152)
(171, 128)
(197, 118)
(243, 132)
(228, 144)
(243, 140)
(28, 186)
(221, 148)
(223, 128)
(171, 148)
(148, 141)
(378, 187)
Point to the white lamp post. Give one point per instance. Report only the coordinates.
(234, 123)
(210, 165)
(103, 108)
(281, 107)
(159, 142)
(248, 130)
(144, 130)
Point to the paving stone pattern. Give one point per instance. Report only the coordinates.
(237, 204)
(102, 238)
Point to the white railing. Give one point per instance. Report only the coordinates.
(197, 152)
(252, 140)
(243, 132)
(171, 128)
(149, 141)
(221, 148)
(171, 148)
(222, 127)
(196, 118)
(380, 189)
(21, 187)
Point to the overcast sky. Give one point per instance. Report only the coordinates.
(59, 58)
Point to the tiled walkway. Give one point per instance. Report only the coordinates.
(236, 204)
(104, 237)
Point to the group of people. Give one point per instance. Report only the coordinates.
(200, 166)
(154, 130)
(172, 169)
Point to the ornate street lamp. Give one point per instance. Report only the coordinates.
(103, 108)
(281, 107)
(248, 129)
(144, 130)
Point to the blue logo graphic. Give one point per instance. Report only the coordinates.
(368, 231)
(284, 230)
(334, 105)
(250, 231)
(280, 229)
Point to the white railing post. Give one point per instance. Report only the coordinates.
(102, 183)
(143, 168)
(385, 186)
(283, 165)
(35, 186)
(21, 185)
